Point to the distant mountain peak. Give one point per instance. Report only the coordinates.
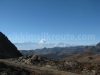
(98, 44)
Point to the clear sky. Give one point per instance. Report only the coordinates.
(52, 17)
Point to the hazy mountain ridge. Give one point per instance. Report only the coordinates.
(89, 54)
(56, 52)
(64, 52)
(42, 44)
(76, 60)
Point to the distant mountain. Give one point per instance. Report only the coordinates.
(56, 52)
(42, 44)
(72, 52)
(95, 49)
(7, 49)
(89, 54)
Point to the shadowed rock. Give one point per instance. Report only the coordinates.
(7, 49)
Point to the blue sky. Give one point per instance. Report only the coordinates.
(55, 17)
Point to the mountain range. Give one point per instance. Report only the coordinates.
(73, 60)
(36, 45)
(42, 44)
(69, 53)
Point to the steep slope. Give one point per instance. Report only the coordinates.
(7, 49)
(89, 54)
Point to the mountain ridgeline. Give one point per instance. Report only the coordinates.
(78, 60)
(56, 52)
(7, 48)
(64, 52)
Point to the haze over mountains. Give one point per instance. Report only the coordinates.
(78, 60)
(35, 45)
(79, 53)
(43, 43)
(56, 52)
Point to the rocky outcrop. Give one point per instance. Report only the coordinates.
(89, 72)
(84, 68)
(7, 49)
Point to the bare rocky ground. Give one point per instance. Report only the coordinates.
(17, 68)
(38, 65)
(7, 69)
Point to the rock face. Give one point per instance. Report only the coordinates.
(7, 49)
